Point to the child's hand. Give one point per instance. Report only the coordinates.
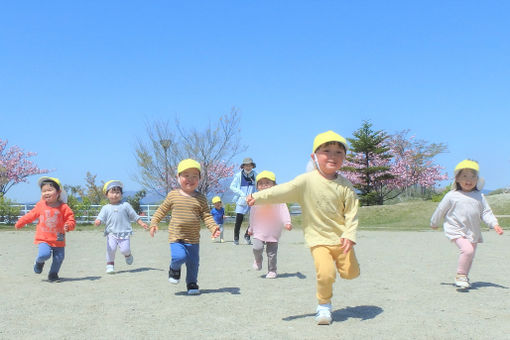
(434, 227)
(250, 200)
(250, 232)
(288, 226)
(346, 245)
(18, 226)
(66, 227)
(153, 230)
(216, 233)
(498, 229)
(145, 225)
(97, 223)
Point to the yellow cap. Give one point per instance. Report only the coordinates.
(52, 179)
(216, 199)
(328, 136)
(111, 184)
(467, 164)
(266, 174)
(188, 164)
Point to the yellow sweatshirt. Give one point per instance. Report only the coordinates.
(329, 207)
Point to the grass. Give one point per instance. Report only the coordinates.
(413, 215)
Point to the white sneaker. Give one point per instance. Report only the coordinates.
(462, 281)
(129, 259)
(109, 269)
(323, 316)
(271, 275)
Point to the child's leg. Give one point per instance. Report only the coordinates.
(346, 264)
(125, 246)
(271, 251)
(258, 248)
(192, 262)
(467, 253)
(178, 255)
(58, 258)
(111, 248)
(326, 273)
(44, 252)
(221, 231)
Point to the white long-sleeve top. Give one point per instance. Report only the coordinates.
(462, 212)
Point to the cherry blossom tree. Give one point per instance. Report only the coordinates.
(167, 144)
(411, 164)
(15, 166)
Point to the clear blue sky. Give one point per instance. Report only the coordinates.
(79, 80)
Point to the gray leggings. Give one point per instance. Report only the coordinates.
(271, 251)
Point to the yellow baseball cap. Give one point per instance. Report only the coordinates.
(266, 174)
(111, 184)
(467, 164)
(328, 136)
(216, 199)
(188, 164)
(51, 179)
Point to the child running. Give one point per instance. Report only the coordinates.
(55, 218)
(329, 207)
(218, 213)
(188, 207)
(266, 222)
(463, 208)
(117, 217)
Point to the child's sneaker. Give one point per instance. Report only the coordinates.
(53, 277)
(109, 269)
(236, 242)
(222, 240)
(271, 275)
(174, 276)
(247, 239)
(323, 316)
(193, 288)
(129, 259)
(257, 265)
(462, 281)
(38, 267)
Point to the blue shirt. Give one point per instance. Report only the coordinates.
(218, 215)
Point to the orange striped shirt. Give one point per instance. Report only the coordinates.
(186, 214)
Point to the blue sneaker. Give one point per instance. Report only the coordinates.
(193, 288)
(38, 267)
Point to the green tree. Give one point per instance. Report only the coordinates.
(367, 161)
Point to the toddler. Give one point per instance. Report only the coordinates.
(463, 208)
(329, 208)
(188, 207)
(266, 222)
(117, 217)
(218, 212)
(55, 218)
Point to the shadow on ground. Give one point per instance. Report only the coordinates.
(475, 286)
(69, 279)
(138, 270)
(299, 275)
(229, 290)
(358, 312)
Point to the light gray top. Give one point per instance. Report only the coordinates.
(118, 218)
(462, 213)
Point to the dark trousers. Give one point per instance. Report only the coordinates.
(237, 227)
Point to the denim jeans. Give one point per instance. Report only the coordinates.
(45, 251)
(185, 253)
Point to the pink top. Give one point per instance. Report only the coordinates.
(267, 221)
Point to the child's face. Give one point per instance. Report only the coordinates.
(49, 194)
(330, 158)
(188, 180)
(114, 195)
(264, 183)
(467, 179)
(217, 205)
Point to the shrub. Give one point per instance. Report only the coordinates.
(8, 212)
(439, 197)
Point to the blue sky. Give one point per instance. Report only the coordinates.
(79, 80)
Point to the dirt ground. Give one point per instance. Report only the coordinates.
(405, 291)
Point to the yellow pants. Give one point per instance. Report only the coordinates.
(327, 260)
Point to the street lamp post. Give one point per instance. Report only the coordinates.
(165, 144)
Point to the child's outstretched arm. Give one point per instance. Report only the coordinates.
(29, 217)
(142, 223)
(97, 223)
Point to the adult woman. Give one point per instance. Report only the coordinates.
(243, 185)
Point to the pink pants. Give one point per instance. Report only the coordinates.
(111, 247)
(467, 253)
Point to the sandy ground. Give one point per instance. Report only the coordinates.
(405, 291)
